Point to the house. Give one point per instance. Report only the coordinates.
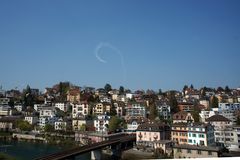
(164, 111)
(18, 107)
(183, 116)
(179, 133)
(47, 112)
(206, 114)
(5, 110)
(194, 151)
(4, 101)
(80, 109)
(46, 120)
(184, 106)
(224, 132)
(7, 123)
(101, 108)
(120, 108)
(31, 119)
(101, 123)
(105, 99)
(205, 103)
(135, 110)
(78, 122)
(73, 95)
(61, 125)
(61, 106)
(237, 131)
(201, 134)
(133, 123)
(150, 132)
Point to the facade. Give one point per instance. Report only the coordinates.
(60, 125)
(133, 123)
(101, 108)
(237, 131)
(77, 124)
(47, 111)
(206, 114)
(182, 116)
(193, 151)
(5, 110)
(120, 108)
(4, 101)
(80, 109)
(205, 103)
(179, 133)
(31, 119)
(18, 108)
(73, 95)
(46, 120)
(164, 111)
(184, 106)
(224, 133)
(61, 106)
(150, 132)
(101, 123)
(136, 110)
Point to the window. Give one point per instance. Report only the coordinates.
(189, 151)
(189, 141)
(209, 153)
(194, 135)
(199, 152)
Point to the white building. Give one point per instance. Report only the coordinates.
(18, 107)
(101, 123)
(120, 107)
(61, 106)
(5, 110)
(60, 124)
(129, 95)
(47, 111)
(205, 103)
(201, 134)
(223, 131)
(80, 110)
(133, 123)
(206, 114)
(135, 110)
(31, 119)
(164, 110)
(46, 120)
(229, 106)
(4, 101)
(237, 131)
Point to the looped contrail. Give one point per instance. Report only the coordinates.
(118, 52)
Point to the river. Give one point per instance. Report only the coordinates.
(27, 151)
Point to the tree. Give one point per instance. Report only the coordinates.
(24, 125)
(227, 90)
(153, 112)
(160, 92)
(184, 89)
(49, 128)
(114, 123)
(83, 127)
(195, 115)
(238, 120)
(220, 89)
(108, 87)
(173, 102)
(28, 98)
(214, 102)
(191, 86)
(203, 91)
(121, 90)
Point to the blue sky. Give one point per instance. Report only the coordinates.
(164, 44)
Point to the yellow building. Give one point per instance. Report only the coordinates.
(179, 133)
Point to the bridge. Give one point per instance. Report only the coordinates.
(119, 143)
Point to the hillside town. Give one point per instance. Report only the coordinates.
(191, 123)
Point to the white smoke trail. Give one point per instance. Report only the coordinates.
(118, 52)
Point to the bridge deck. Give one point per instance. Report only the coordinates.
(85, 149)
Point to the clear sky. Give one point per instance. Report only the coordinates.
(135, 43)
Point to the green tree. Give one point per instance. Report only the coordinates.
(49, 128)
(160, 92)
(108, 87)
(153, 113)
(173, 102)
(83, 127)
(195, 115)
(214, 102)
(28, 98)
(203, 91)
(121, 90)
(114, 123)
(227, 90)
(24, 125)
(191, 86)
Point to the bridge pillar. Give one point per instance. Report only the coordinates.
(96, 155)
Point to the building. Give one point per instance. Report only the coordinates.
(18, 107)
(80, 109)
(184, 106)
(237, 131)
(201, 134)
(47, 111)
(5, 110)
(224, 133)
(150, 132)
(133, 123)
(135, 110)
(31, 119)
(4, 101)
(183, 116)
(194, 151)
(205, 103)
(78, 123)
(206, 114)
(61, 106)
(7, 123)
(101, 123)
(164, 111)
(73, 95)
(179, 133)
(46, 120)
(101, 108)
(60, 125)
(120, 108)
(229, 106)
